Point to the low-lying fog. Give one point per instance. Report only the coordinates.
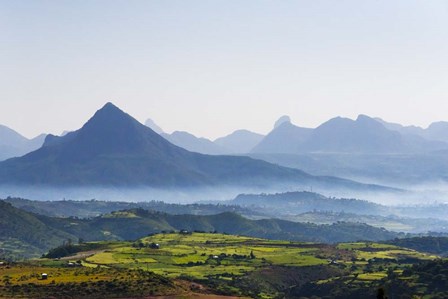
(411, 195)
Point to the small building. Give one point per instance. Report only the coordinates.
(44, 276)
(154, 245)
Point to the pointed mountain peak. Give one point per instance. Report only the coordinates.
(109, 114)
(282, 120)
(109, 105)
(109, 108)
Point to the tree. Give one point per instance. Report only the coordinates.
(252, 255)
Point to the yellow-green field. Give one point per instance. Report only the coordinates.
(369, 250)
(201, 255)
(206, 257)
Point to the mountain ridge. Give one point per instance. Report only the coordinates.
(114, 149)
(344, 135)
(13, 144)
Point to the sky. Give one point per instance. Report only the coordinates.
(212, 67)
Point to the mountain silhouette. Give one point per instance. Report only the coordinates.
(285, 138)
(12, 144)
(361, 135)
(343, 135)
(151, 124)
(188, 141)
(112, 148)
(437, 131)
(194, 144)
(240, 141)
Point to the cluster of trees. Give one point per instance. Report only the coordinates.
(140, 244)
(68, 248)
(436, 245)
(427, 279)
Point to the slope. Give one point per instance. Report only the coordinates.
(12, 144)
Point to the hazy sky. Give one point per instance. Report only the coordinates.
(210, 67)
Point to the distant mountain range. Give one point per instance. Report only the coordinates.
(194, 144)
(12, 144)
(238, 142)
(366, 148)
(343, 135)
(113, 149)
(365, 135)
(437, 131)
(338, 135)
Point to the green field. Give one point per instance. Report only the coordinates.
(202, 255)
(225, 264)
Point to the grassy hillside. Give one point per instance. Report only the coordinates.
(23, 234)
(28, 234)
(136, 223)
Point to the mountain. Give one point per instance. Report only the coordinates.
(437, 131)
(113, 149)
(408, 130)
(153, 126)
(12, 144)
(240, 141)
(188, 141)
(343, 135)
(194, 144)
(284, 138)
(282, 120)
(362, 135)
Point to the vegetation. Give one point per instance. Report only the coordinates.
(291, 206)
(436, 245)
(188, 263)
(390, 222)
(43, 232)
(258, 268)
(69, 249)
(95, 208)
(25, 281)
(23, 234)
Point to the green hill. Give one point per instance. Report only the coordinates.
(41, 232)
(136, 223)
(23, 234)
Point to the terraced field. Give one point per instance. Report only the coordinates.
(201, 255)
(224, 264)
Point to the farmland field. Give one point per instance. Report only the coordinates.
(213, 263)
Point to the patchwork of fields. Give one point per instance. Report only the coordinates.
(224, 264)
